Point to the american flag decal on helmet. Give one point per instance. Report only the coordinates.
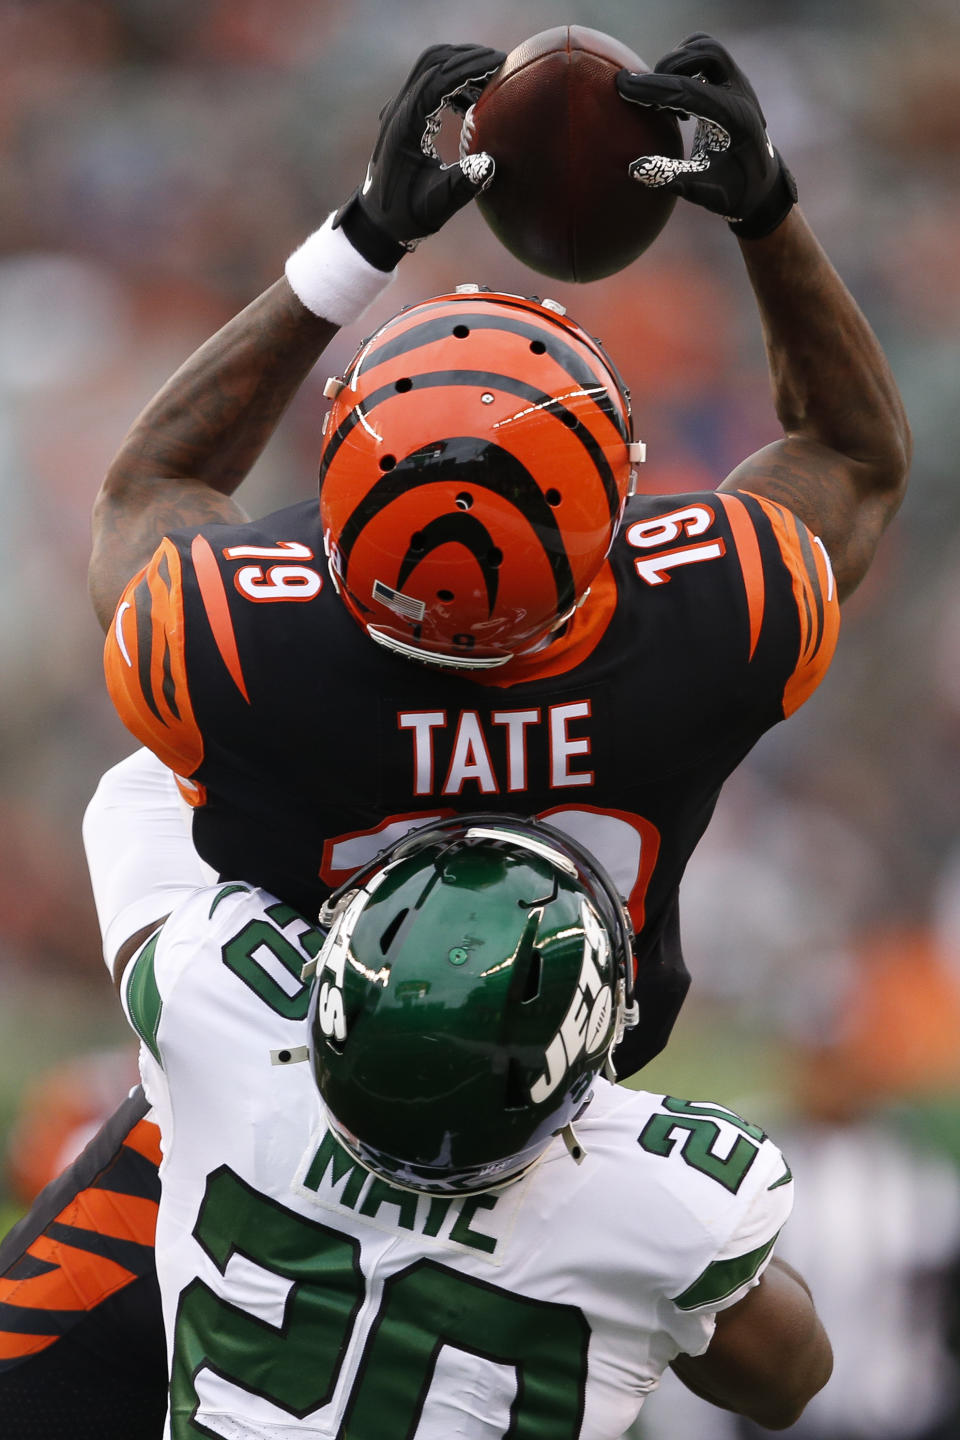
(406, 605)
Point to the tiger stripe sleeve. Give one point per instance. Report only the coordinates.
(751, 562)
(815, 597)
(145, 666)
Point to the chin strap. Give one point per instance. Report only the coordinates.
(576, 1151)
(627, 1017)
(290, 1055)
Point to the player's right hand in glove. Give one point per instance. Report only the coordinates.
(733, 168)
(408, 193)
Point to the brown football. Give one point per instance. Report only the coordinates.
(562, 200)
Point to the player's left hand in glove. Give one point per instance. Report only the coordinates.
(408, 192)
(733, 169)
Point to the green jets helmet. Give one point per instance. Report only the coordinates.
(474, 981)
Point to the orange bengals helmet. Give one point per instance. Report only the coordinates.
(476, 461)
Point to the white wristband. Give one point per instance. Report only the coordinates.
(331, 279)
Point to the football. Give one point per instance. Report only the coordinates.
(562, 200)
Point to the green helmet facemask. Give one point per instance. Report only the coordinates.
(473, 983)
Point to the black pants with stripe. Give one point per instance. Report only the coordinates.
(82, 1353)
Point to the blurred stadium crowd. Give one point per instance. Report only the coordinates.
(158, 162)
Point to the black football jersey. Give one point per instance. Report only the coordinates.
(305, 748)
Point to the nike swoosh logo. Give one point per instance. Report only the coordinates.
(368, 181)
(770, 150)
(118, 632)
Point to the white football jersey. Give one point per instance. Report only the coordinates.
(305, 1297)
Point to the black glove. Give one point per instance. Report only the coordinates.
(408, 193)
(733, 169)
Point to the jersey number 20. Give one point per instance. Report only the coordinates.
(293, 1358)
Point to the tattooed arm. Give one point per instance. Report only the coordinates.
(843, 463)
(199, 437)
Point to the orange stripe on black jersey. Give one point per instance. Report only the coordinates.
(815, 594)
(144, 1138)
(214, 598)
(751, 563)
(75, 1280)
(91, 1233)
(15, 1347)
(144, 663)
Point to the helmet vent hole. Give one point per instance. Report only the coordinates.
(570, 420)
(387, 462)
(445, 595)
(538, 347)
(416, 542)
(516, 1092)
(461, 331)
(390, 933)
(464, 501)
(495, 557)
(403, 385)
(531, 983)
(553, 497)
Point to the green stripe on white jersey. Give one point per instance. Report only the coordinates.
(142, 997)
